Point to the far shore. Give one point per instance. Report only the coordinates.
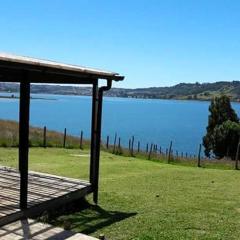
(13, 96)
(17, 97)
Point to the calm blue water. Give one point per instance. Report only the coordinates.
(152, 121)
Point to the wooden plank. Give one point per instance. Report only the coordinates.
(42, 193)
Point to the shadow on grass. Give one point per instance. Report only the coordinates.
(81, 216)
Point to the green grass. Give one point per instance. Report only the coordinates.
(142, 199)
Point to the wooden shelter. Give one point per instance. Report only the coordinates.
(27, 70)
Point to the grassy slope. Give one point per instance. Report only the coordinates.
(9, 136)
(141, 199)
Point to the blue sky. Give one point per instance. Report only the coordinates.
(151, 42)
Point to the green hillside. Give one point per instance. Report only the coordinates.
(145, 200)
(187, 91)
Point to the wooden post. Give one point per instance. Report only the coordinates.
(237, 156)
(107, 145)
(132, 146)
(199, 155)
(24, 140)
(129, 145)
(147, 148)
(45, 137)
(150, 152)
(93, 135)
(64, 137)
(81, 140)
(170, 151)
(138, 146)
(96, 131)
(119, 145)
(114, 144)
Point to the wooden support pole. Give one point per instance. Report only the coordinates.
(45, 137)
(97, 123)
(93, 134)
(64, 137)
(147, 148)
(24, 140)
(138, 146)
(81, 140)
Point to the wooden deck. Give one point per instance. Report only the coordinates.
(44, 192)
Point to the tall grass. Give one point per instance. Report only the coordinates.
(9, 137)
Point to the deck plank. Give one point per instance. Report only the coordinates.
(42, 189)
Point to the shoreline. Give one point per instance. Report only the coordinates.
(34, 98)
(106, 96)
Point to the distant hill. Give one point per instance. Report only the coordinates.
(187, 91)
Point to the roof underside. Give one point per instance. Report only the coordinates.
(17, 68)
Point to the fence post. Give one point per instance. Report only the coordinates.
(147, 148)
(132, 146)
(107, 145)
(45, 137)
(199, 155)
(81, 140)
(64, 137)
(138, 146)
(170, 151)
(150, 152)
(129, 145)
(166, 151)
(237, 156)
(119, 145)
(115, 141)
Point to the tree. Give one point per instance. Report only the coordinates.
(221, 111)
(225, 139)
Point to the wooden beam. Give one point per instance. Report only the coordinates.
(93, 133)
(12, 75)
(24, 139)
(14, 66)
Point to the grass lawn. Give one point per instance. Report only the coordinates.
(141, 199)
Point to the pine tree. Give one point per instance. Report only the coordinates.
(220, 111)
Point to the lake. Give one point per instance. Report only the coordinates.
(150, 121)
